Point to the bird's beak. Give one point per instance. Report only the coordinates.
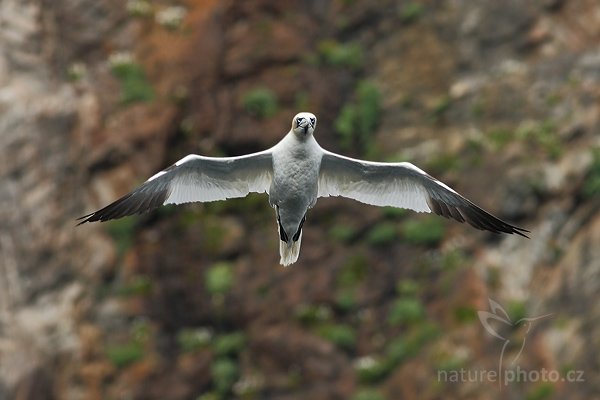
(306, 128)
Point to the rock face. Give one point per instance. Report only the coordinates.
(499, 99)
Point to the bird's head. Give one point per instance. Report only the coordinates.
(304, 124)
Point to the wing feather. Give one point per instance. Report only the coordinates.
(194, 178)
(402, 185)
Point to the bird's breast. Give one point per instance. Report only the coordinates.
(295, 178)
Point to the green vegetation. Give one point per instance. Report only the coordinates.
(209, 396)
(346, 301)
(565, 368)
(342, 233)
(141, 330)
(542, 391)
(516, 310)
(359, 119)
(224, 373)
(591, 186)
(139, 285)
(538, 135)
(402, 348)
(335, 54)
(474, 151)
(407, 287)
(225, 347)
(426, 231)
(139, 8)
(219, 278)
(367, 394)
(122, 232)
(249, 387)
(465, 314)
(134, 84)
(449, 263)
(371, 369)
(353, 271)
(122, 355)
(193, 339)
(478, 109)
(453, 259)
(260, 102)
(394, 212)
(229, 344)
(341, 335)
(311, 314)
(450, 363)
(406, 310)
(76, 71)
(553, 99)
(440, 107)
(543, 135)
(444, 162)
(411, 12)
(382, 234)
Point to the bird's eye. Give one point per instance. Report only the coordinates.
(298, 121)
(313, 121)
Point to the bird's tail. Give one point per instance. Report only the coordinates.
(289, 251)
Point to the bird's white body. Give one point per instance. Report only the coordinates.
(295, 173)
(294, 188)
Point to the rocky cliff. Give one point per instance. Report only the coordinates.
(498, 99)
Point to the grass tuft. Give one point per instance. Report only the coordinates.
(406, 310)
(224, 373)
(261, 103)
(382, 234)
(135, 87)
(122, 355)
(367, 394)
(219, 278)
(193, 339)
(426, 231)
(359, 119)
(335, 54)
(229, 344)
(411, 12)
(341, 335)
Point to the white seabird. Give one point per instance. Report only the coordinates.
(295, 173)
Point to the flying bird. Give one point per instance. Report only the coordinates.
(295, 173)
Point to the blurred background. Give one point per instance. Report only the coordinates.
(500, 99)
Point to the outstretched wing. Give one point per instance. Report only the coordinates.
(402, 185)
(194, 178)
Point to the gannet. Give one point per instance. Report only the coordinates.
(295, 173)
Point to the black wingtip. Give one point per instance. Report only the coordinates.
(520, 231)
(93, 217)
(472, 214)
(84, 219)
